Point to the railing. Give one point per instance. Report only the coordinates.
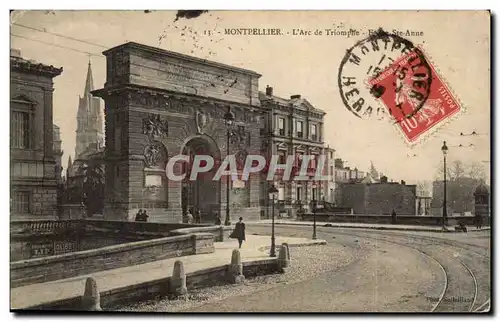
(42, 226)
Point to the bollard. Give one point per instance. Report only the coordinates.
(283, 259)
(287, 250)
(178, 280)
(91, 300)
(221, 234)
(235, 271)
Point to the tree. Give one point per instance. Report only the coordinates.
(92, 184)
(457, 170)
(462, 179)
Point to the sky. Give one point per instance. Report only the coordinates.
(457, 44)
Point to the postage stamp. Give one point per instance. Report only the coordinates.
(387, 76)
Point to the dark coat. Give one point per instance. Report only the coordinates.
(239, 231)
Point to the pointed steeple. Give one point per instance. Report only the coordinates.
(89, 82)
(69, 168)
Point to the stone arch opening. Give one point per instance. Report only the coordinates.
(204, 193)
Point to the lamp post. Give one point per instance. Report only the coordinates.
(314, 209)
(444, 148)
(272, 195)
(229, 119)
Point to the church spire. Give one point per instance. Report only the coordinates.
(89, 82)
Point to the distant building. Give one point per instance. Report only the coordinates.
(58, 152)
(378, 198)
(89, 145)
(346, 174)
(89, 118)
(33, 148)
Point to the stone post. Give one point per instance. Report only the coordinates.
(178, 280)
(221, 232)
(235, 270)
(283, 258)
(91, 300)
(287, 250)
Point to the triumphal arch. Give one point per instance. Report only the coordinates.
(159, 104)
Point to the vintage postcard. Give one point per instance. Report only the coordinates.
(250, 161)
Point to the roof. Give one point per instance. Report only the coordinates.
(290, 102)
(164, 52)
(33, 67)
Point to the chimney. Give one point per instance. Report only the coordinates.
(294, 97)
(15, 53)
(403, 182)
(269, 91)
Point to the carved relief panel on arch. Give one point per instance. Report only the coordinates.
(155, 127)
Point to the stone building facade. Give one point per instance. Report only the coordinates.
(32, 158)
(58, 152)
(295, 127)
(159, 104)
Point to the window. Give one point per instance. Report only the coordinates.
(314, 134)
(281, 126)
(300, 132)
(299, 193)
(314, 193)
(281, 157)
(300, 156)
(21, 202)
(313, 161)
(281, 193)
(20, 130)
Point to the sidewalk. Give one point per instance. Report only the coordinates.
(363, 225)
(37, 294)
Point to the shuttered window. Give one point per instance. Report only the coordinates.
(21, 202)
(20, 130)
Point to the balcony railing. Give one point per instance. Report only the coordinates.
(42, 226)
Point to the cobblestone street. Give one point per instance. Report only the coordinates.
(354, 272)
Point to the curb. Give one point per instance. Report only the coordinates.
(370, 227)
(317, 242)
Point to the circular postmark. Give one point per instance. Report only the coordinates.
(384, 75)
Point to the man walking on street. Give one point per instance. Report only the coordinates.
(239, 232)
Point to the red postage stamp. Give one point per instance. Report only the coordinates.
(416, 103)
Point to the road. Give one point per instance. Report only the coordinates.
(392, 272)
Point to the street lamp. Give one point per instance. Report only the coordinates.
(444, 148)
(229, 119)
(314, 209)
(272, 195)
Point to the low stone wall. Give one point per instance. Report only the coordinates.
(47, 238)
(387, 219)
(56, 267)
(161, 287)
(217, 231)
